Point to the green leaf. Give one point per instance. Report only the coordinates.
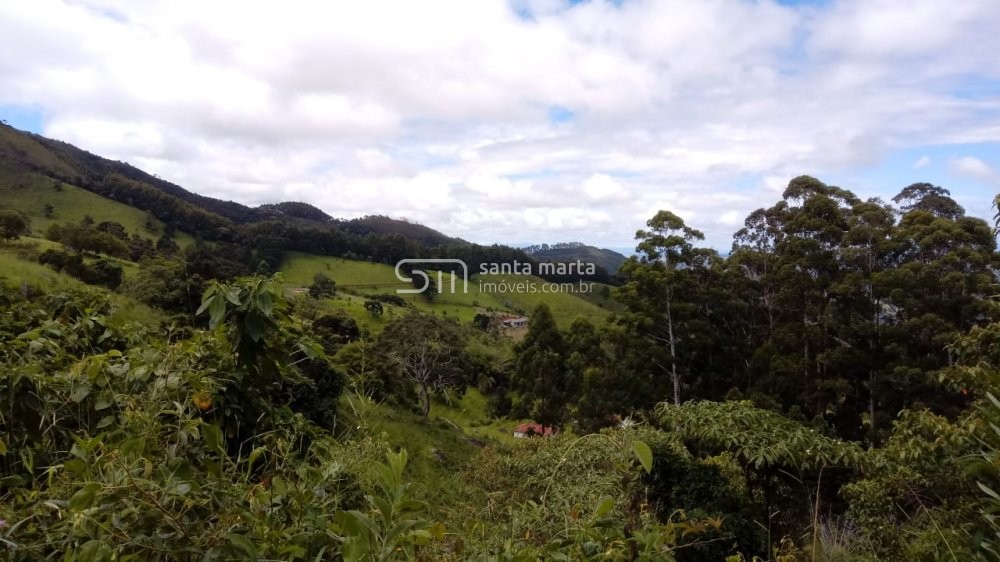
(232, 295)
(216, 311)
(80, 391)
(265, 303)
(102, 403)
(105, 422)
(91, 550)
(644, 454)
(13, 481)
(207, 298)
(989, 491)
(84, 497)
(354, 523)
(213, 437)
(604, 506)
(255, 454)
(244, 544)
(255, 327)
(292, 552)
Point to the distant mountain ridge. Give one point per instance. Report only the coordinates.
(381, 224)
(253, 237)
(610, 260)
(113, 179)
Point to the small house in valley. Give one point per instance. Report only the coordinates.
(534, 430)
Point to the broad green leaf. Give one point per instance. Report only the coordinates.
(11, 481)
(80, 391)
(213, 437)
(103, 402)
(216, 312)
(244, 544)
(644, 454)
(84, 497)
(604, 506)
(255, 327)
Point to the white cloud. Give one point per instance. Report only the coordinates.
(974, 168)
(731, 218)
(439, 111)
(922, 162)
(602, 188)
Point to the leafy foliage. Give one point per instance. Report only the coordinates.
(759, 439)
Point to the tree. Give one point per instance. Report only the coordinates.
(322, 286)
(616, 380)
(425, 350)
(335, 330)
(374, 308)
(867, 253)
(13, 224)
(929, 198)
(654, 280)
(540, 375)
(164, 283)
(166, 245)
(937, 289)
(113, 228)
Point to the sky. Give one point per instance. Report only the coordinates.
(519, 121)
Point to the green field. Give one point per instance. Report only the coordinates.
(355, 279)
(469, 412)
(438, 446)
(30, 192)
(18, 264)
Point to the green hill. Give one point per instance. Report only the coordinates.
(48, 201)
(19, 264)
(360, 279)
(53, 182)
(610, 260)
(379, 224)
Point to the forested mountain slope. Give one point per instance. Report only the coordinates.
(610, 260)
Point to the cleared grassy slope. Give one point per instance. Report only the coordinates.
(21, 147)
(30, 192)
(18, 265)
(484, 291)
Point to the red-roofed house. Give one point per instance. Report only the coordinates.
(534, 430)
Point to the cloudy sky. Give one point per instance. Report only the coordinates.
(519, 120)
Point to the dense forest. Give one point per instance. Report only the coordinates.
(822, 392)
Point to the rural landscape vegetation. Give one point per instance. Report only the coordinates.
(186, 376)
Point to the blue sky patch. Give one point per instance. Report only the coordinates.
(22, 117)
(560, 114)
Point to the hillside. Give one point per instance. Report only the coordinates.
(47, 201)
(55, 184)
(32, 166)
(358, 279)
(379, 224)
(27, 151)
(610, 260)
